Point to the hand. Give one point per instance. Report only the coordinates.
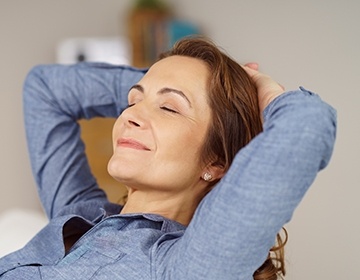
(267, 88)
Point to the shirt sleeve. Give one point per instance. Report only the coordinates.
(236, 224)
(55, 98)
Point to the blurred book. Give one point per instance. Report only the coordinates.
(154, 29)
(178, 29)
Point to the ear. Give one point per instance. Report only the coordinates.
(216, 172)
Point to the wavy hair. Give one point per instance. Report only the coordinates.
(236, 119)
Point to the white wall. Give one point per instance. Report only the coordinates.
(29, 34)
(309, 43)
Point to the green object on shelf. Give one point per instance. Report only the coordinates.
(150, 4)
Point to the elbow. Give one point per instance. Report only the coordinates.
(323, 127)
(34, 83)
(330, 128)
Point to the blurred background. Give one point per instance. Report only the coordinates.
(310, 43)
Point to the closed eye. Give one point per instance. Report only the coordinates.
(169, 109)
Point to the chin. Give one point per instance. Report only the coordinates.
(121, 171)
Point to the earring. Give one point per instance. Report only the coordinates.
(207, 177)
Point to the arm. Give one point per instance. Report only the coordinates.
(55, 97)
(236, 224)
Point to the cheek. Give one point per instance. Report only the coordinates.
(182, 143)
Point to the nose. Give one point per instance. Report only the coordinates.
(133, 123)
(135, 116)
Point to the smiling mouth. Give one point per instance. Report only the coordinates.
(132, 144)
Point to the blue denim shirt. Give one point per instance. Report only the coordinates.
(234, 226)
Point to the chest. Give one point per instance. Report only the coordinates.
(108, 250)
(109, 241)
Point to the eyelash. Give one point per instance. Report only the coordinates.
(169, 110)
(162, 107)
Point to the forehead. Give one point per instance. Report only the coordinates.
(186, 73)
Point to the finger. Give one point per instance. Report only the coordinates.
(250, 71)
(281, 86)
(252, 65)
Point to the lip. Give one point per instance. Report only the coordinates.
(132, 144)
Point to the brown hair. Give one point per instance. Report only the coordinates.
(236, 119)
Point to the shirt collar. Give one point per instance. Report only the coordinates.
(168, 225)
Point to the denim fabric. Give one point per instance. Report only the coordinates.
(234, 226)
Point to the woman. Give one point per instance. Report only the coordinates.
(208, 191)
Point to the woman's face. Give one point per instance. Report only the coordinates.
(157, 140)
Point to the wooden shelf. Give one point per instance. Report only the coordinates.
(148, 32)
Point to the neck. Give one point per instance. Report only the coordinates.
(179, 207)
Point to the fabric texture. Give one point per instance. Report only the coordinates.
(234, 226)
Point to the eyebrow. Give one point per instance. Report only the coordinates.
(164, 91)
